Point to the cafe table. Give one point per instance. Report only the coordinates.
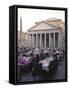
(45, 63)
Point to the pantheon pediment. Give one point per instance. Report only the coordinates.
(42, 26)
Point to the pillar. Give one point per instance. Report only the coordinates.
(32, 40)
(54, 39)
(59, 40)
(36, 40)
(49, 40)
(40, 40)
(45, 40)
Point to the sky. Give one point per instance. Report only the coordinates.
(30, 16)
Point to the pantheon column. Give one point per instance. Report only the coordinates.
(45, 40)
(32, 40)
(59, 40)
(36, 40)
(49, 40)
(28, 40)
(54, 39)
(40, 40)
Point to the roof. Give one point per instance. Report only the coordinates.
(53, 23)
(52, 19)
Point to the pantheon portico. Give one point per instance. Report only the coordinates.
(43, 40)
(46, 35)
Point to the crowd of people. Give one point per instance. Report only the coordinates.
(32, 56)
(41, 53)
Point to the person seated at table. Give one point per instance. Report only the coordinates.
(54, 53)
(45, 53)
(41, 55)
(61, 55)
(36, 52)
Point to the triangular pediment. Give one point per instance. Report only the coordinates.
(42, 26)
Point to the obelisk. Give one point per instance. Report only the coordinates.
(21, 31)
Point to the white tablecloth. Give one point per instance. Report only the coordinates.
(46, 63)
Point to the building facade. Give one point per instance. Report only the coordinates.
(47, 34)
(22, 38)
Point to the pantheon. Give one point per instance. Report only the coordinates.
(47, 34)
